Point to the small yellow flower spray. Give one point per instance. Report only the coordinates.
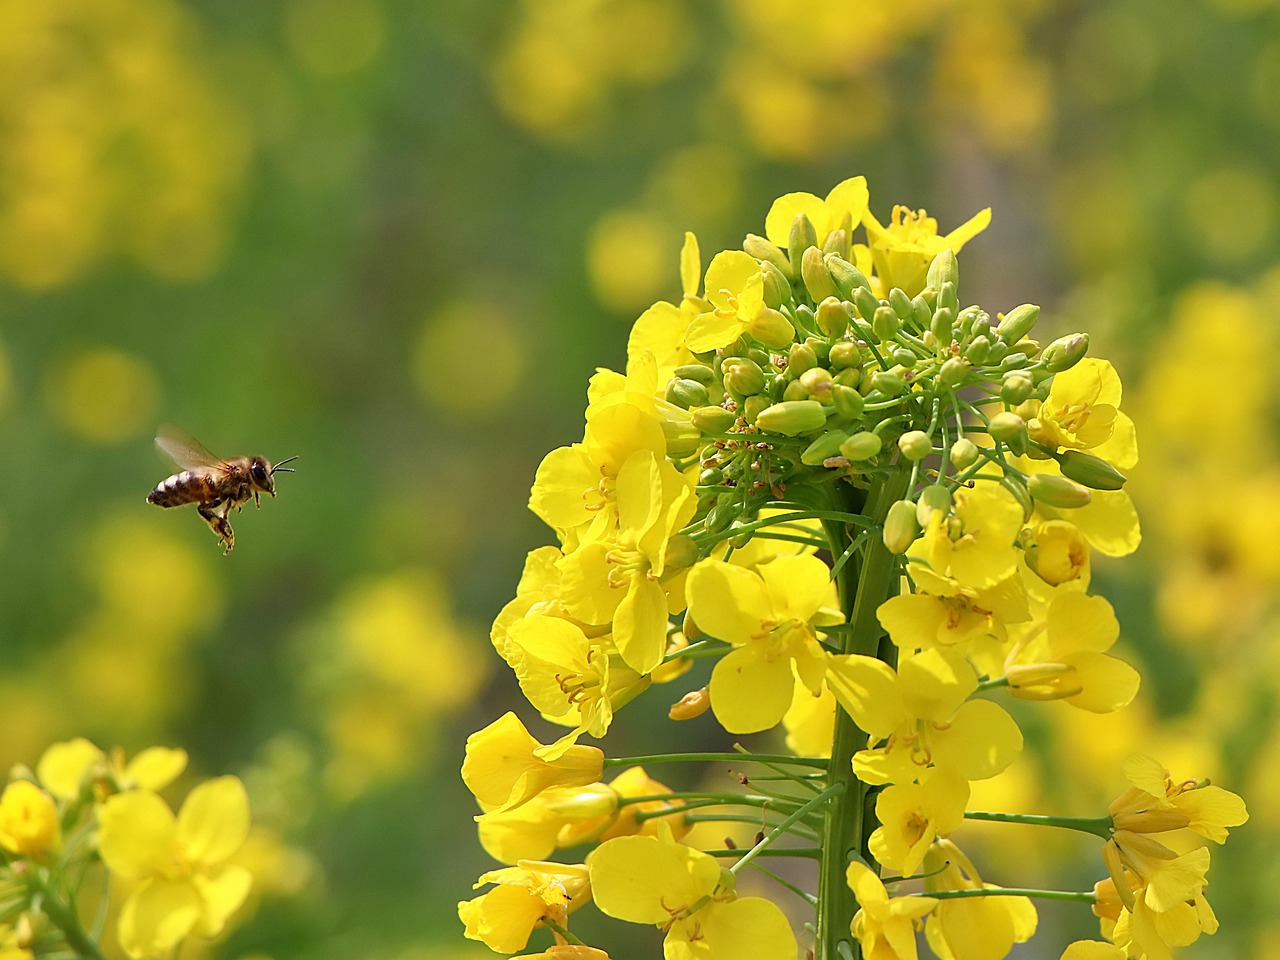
(873, 507)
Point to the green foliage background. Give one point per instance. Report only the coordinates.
(395, 237)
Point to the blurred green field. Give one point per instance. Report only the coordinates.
(395, 238)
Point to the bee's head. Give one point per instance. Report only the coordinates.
(262, 472)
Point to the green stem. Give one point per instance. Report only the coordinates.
(1080, 896)
(1098, 826)
(63, 916)
(715, 758)
(772, 836)
(863, 585)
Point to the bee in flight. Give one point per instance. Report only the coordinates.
(214, 485)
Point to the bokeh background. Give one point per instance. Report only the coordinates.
(395, 237)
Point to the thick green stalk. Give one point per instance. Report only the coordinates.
(863, 584)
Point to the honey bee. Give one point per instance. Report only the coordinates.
(214, 485)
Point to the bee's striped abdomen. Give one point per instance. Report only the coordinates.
(186, 487)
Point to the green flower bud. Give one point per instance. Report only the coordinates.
(766, 252)
(900, 526)
(978, 350)
(846, 277)
(744, 377)
(832, 317)
(942, 326)
(686, 393)
(719, 517)
(964, 453)
(1093, 472)
(1006, 425)
(902, 305)
(865, 302)
(999, 350)
(772, 329)
(682, 552)
(710, 477)
(905, 357)
(1014, 361)
(1058, 491)
(791, 418)
(944, 269)
(682, 438)
(1018, 487)
(759, 357)
(844, 354)
(1065, 352)
(837, 243)
(818, 382)
(795, 391)
(754, 406)
(803, 236)
(823, 448)
(800, 358)
(847, 401)
(850, 377)
(713, 419)
(696, 371)
(888, 382)
(1017, 323)
(935, 498)
(954, 371)
(817, 279)
(885, 323)
(861, 446)
(915, 445)
(1015, 388)
(921, 313)
(777, 290)
(821, 348)
(947, 297)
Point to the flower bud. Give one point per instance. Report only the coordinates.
(777, 290)
(921, 313)
(954, 371)
(866, 303)
(1091, 471)
(824, 447)
(766, 252)
(999, 350)
(791, 418)
(1058, 491)
(847, 401)
(713, 419)
(901, 304)
(800, 358)
(832, 317)
(942, 326)
(755, 406)
(944, 269)
(850, 377)
(935, 498)
(795, 391)
(693, 704)
(964, 453)
(885, 323)
(720, 516)
(844, 354)
(837, 242)
(681, 552)
(888, 382)
(696, 371)
(772, 329)
(686, 393)
(1065, 352)
(817, 381)
(915, 445)
(802, 237)
(900, 526)
(1013, 361)
(817, 279)
(1015, 388)
(861, 446)
(904, 357)
(1017, 323)
(1006, 426)
(744, 377)
(947, 298)
(978, 350)
(846, 277)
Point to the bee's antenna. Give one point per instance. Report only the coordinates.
(282, 463)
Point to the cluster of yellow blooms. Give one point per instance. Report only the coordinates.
(875, 509)
(80, 806)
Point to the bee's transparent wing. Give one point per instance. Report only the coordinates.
(184, 449)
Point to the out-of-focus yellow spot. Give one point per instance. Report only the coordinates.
(1112, 56)
(629, 259)
(1231, 212)
(1098, 217)
(468, 360)
(277, 868)
(112, 141)
(334, 38)
(103, 395)
(699, 183)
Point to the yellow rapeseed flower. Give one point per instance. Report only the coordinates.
(28, 820)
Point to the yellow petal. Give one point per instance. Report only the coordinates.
(962, 234)
(214, 821)
(157, 916)
(868, 689)
(63, 766)
(221, 895)
(1107, 682)
(981, 740)
(749, 690)
(648, 879)
(690, 265)
(849, 197)
(136, 834)
(797, 586)
(640, 625)
(750, 928)
(777, 225)
(156, 767)
(727, 601)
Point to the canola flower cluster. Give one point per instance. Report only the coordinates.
(875, 509)
(82, 806)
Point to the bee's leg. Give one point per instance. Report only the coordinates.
(257, 499)
(215, 514)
